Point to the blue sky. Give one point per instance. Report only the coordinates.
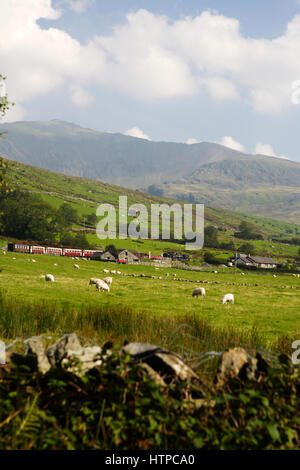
(184, 70)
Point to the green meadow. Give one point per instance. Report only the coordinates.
(264, 305)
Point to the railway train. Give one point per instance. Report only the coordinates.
(50, 250)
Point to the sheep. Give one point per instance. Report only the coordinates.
(174, 275)
(228, 298)
(108, 280)
(101, 285)
(49, 278)
(113, 272)
(55, 264)
(33, 260)
(119, 272)
(93, 280)
(76, 266)
(199, 291)
(106, 271)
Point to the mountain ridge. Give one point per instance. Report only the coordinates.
(202, 172)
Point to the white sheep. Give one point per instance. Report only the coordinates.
(228, 298)
(76, 266)
(108, 280)
(33, 260)
(93, 280)
(199, 291)
(113, 272)
(106, 271)
(119, 272)
(101, 285)
(49, 278)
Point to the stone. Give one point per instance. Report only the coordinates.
(87, 359)
(166, 364)
(58, 351)
(230, 365)
(36, 352)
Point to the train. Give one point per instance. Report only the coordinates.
(50, 250)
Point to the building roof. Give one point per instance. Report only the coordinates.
(262, 260)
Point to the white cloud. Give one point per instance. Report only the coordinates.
(267, 150)
(191, 141)
(80, 97)
(229, 142)
(136, 132)
(78, 6)
(148, 57)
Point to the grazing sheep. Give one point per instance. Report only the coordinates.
(108, 280)
(199, 291)
(93, 280)
(33, 260)
(174, 275)
(101, 285)
(76, 266)
(228, 298)
(119, 272)
(55, 264)
(49, 278)
(113, 272)
(106, 271)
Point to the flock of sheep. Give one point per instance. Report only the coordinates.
(200, 292)
(104, 284)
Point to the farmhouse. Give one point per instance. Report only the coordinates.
(125, 256)
(249, 261)
(121, 256)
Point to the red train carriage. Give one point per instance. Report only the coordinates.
(50, 250)
(72, 252)
(38, 250)
(88, 253)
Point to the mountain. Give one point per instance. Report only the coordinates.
(261, 185)
(115, 158)
(204, 172)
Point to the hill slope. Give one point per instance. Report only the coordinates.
(204, 172)
(261, 185)
(85, 195)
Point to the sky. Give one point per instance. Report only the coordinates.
(225, 71)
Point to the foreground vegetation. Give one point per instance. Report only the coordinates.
(116, 406)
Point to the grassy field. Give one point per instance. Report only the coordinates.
(265, 305)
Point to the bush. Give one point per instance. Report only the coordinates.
(117, 406)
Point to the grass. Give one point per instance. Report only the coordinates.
(140, 308)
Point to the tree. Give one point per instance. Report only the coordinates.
(112, 249)
(67, 215)
(66, 239)
(27, 216)
(211, 237)
(80, 241)
(247, 248)
(4, 107)
(91, 220)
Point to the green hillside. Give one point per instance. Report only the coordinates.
(260, 185)
(84, 195)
